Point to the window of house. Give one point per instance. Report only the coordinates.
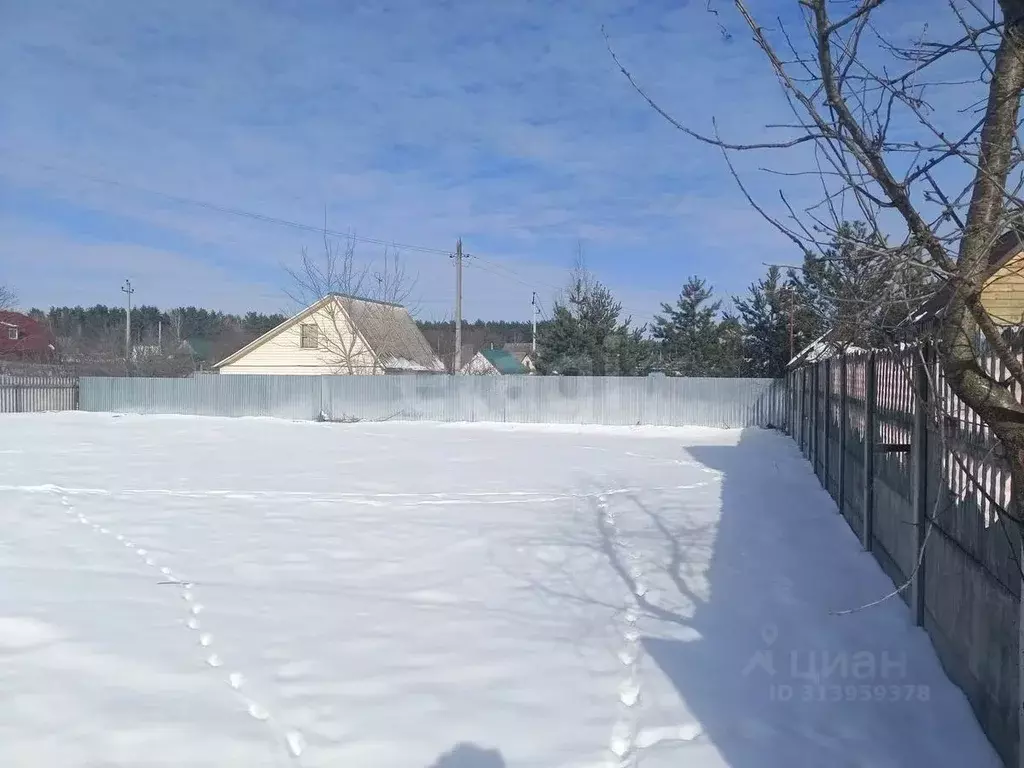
(310, 338)
(12, 334)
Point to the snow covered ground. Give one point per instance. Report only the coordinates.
(204, 592)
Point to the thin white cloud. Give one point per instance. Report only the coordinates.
(504, 123)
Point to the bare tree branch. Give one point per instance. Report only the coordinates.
(880, 146)
(365, 295)
(688, 131)
(7, 298)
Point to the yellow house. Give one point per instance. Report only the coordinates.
(1003, 293)
(339, 335)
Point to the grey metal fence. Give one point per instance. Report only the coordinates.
(523, 399)
(928, 499)
(26, 394)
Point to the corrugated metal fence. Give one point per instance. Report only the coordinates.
(655, 400)
(930, 506)
(26, 394)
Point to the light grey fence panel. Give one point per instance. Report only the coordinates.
(35, 393)
(522, 399)
(289, 397)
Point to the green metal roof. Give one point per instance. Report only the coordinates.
(504, 361)
(202, 349)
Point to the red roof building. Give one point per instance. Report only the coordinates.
(23, 338)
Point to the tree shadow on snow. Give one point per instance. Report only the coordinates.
(740, 613)
(466, 755)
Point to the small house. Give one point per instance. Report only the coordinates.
(1002, 294)
(524, 353)
(25, 339)
(494, 361)
(339, 335)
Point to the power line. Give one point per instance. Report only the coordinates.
(512, 274)
(244, 213)
(504, 275)
(509, 273)
(267, 219)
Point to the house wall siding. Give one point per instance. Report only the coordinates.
(1003, 295)
(341, 351)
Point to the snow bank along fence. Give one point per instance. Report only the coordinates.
(527, 399)
(25, 394)
(905, 488)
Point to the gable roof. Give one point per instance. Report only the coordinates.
(1009, 245)
(520, 351)
(392, 334)
(388, 330)
(504, 361)
(201, 349)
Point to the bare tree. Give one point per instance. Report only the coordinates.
(7, 297)
(920, 136)
(367, 295)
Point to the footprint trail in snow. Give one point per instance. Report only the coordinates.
(293, 741)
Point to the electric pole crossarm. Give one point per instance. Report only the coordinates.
(128, 291)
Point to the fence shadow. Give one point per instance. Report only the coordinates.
(759, 621)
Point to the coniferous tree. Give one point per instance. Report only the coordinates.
(586, 337)
(688, 332)
(732, 358)
(765, 316)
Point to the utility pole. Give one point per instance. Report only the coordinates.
(128, 290)
(533, 302)
(458, 306)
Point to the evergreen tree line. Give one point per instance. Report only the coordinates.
(150, 324)
(856, 289)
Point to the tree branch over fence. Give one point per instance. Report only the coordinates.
(885, 141)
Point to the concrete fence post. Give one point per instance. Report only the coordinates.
(841, 490)
(801, 375)
(826, 454)
(815, 419)
(919, 491)
(792, 406)
(867, 529)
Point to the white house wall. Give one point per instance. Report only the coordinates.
(340, 351)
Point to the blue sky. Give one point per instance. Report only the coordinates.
(504, 123)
